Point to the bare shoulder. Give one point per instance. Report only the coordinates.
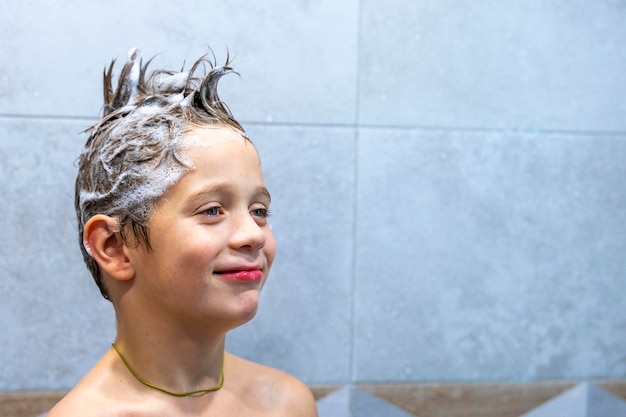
(80, 401)
(271, 389)
(100, 393)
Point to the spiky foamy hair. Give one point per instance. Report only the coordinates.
(134, 153)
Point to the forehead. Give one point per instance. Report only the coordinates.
(211, 136)
(218, 151)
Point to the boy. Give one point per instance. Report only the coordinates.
(172, 212)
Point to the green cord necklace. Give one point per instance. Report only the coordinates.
(175, 394)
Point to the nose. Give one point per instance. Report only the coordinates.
(247, 233)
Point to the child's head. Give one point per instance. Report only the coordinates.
(135, 151)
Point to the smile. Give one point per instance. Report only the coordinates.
(241, 275)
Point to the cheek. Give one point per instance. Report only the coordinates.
(270, 249)
(198, 253)
(187, 250)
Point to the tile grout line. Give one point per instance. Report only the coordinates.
(358, 125)
(353, 284)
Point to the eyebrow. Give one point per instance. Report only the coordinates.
(225, 188)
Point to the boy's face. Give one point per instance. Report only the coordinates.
(212, 246)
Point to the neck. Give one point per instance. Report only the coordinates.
(172, 360)
(199, 391)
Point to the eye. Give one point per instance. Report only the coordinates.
(260, 212)
(212, 211)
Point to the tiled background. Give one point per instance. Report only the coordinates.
(448, 179)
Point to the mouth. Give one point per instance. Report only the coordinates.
(244, 274)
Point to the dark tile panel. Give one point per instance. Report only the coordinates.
(54, 321)
(489, 256)
(297, 60)
(543, 65)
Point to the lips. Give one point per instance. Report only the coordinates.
(245, 274)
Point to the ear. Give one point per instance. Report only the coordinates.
(105, 244)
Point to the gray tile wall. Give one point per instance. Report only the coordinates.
(447, 176)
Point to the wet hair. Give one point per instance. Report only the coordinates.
(134, 153)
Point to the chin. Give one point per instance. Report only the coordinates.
(247, 309)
